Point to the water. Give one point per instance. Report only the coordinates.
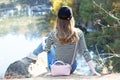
(15, 47)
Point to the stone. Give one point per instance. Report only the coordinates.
(18, 69)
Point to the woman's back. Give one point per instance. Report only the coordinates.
(63, 52)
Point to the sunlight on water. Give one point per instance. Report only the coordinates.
(14, 47)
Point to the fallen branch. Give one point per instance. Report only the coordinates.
(111, 54)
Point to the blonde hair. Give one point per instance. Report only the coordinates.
(65, 32)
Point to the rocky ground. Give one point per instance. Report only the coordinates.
(47, 76)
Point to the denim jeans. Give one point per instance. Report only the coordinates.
(50, 57)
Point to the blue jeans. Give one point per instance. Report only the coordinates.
(50, 57)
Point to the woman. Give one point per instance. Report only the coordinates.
(64, 38)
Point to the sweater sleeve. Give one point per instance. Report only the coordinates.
(46, 46)
(82, 47)
(49, 42)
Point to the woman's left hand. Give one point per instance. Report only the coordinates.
(96, 74)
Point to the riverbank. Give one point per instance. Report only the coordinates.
(47, 76)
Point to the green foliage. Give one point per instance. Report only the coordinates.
(112, 34)
(116, 46)
(86, 10)
(108, 36)
(110, 20)
(109, 10)
(116, 64)
(93, 37)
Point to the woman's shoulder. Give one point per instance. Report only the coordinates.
(80, 32)
(52, 35)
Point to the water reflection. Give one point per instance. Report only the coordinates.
(14, 47)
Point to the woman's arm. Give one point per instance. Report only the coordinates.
(93, 69)
(84, 51)
(83, 48)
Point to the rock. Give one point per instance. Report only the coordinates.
(18, 69)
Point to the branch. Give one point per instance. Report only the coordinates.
(110, 48)
(117, 19)
(111, 54)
